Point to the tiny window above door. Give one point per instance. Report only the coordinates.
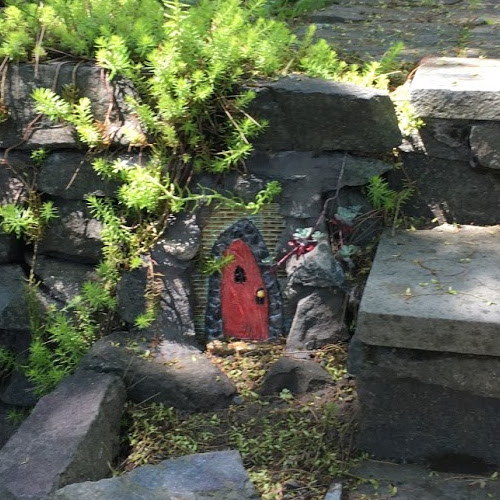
(239, 275)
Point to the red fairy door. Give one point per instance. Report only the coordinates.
(244, 300)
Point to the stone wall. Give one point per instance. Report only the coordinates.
(454, 159)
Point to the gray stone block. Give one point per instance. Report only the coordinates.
(416, 482)
(451, 191)
(485, 144)
(305, 176)
(161, 371)
(404, 419)
(70, 436)
(22, 79)
(457, 88)
(70, 175)
(13, 307)
(215, 475)
(311, 114)
(435, 290)
(75, 235)
(61, 278)
(318, 320)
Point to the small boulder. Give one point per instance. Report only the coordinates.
(163, 372)
(317, 268)
(217, 475)
(70, 436)
(318, 320)
(297, 375)
(74, 235)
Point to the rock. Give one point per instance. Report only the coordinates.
(472, 198)
(457, 88)
(318, 320)
(334, 492)
(17, 341)
(435, 290)
(317, 268)
(7, 495)
(74, 235)
(449, 370)
(181, 241)
(160, 371)
(70, 175)
(22, 79)
(447, 139)
(10, 248)
(297, 375)
(174, 314)
(412, 481)
(485, 144)
(305, 176)
(62, 279)
(70, 436)
(11, 187)
(338, 14)
(13, 307)
(217, 475)
(406, 420)
(7, 429)
(19, 391)
(311, 114)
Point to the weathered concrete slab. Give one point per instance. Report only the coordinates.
(436, 290)
(416, 482)
(457, 88)
(216, 475)
(71, 435)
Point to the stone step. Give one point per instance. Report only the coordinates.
(435, 290)
(457, 88)
(216, 475)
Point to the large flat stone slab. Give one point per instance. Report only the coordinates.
(71, 436)
(457, 88)
(216, 475)
(436, 290)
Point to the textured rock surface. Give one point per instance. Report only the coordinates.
(13, 308)
(62, 279)
(217, 475)
(22, 79)
(18, 391)
(485, 144)
(457, 88)
(296, 375)
(451, 191)
(404, 419)
(305, 176)
(71, 435)
(10, 248)
(162, 372)
(74, 235)
(414, 482)
(318, 320)
(435, 290)
(174, 318)
(453, 371)
(69, 174)
(317, 268)
(7, 428)
(307, 114)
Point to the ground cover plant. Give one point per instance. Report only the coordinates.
(292, 446)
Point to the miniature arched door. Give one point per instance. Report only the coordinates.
(244, 300)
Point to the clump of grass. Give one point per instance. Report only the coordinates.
(292, 447)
